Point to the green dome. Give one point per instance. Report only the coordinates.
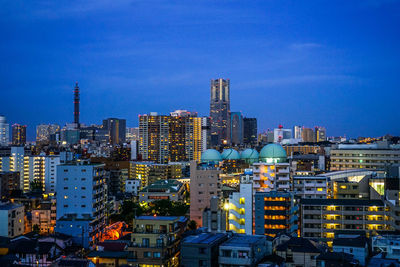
(249, 155)
(230, 154)
(211, 155)
(273, 153)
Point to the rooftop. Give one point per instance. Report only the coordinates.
(359, 242)
(163, 185)
(241, 240)
(158, 218)
(204, 238)
(341, 202)
(9, 206)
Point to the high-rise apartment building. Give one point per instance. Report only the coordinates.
(307, 135)
(205, 183)
(219, 111)
(45, 131)
(18, 134)
(116, 130)
(81, 200)
(132, 134)
(297, 132)
(4, 131)
(250, 131)
(154, 137)
(236, 128)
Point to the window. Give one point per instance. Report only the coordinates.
(156, 255)
(147, 254)
(83, 188)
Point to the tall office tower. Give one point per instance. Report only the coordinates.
(307, 135)
(250, 131)
(219, 111)
(297, 132)
(116, 130)
(81, 200)
(4, 131)
(45, 131)
(18, 134)
(76, 105)
(236, 128)
(320, 134)
(154, 137)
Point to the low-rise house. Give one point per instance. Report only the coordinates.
(163, 189)
(298, 251)
(11, 220)
(201, 249)
(356, 246)
(336, 259)
(242, 250)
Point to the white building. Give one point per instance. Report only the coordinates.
(281, 134)
(310, 186)
(81, 199)
(132, 186)
(11, 220)
(4, 131)
(271, 176)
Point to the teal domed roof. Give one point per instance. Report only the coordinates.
(211, 155)
(273, 153)
(249, 154)
(230, 154)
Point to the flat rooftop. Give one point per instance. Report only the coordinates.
(157, 218)
(241, 240)
(204, 238)
(9, 206)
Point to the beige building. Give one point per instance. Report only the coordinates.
(205, 183)
(364, 156)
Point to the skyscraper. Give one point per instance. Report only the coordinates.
(116, 130)
(297, 132)
(320, 134)
(236, 128)
(154, 137)
(4, 131)
(307, 135)
(76, 105)
(18, 134)
(219, 111)
(250, 131)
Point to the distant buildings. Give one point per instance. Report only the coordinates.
(236, 130)
(320, 134)
(4, 131)
(307, 134)
(219, 111)
(18, 134)
(76, 105)
(116, 130)
(46, 132)
(250, 131)
(9, 183)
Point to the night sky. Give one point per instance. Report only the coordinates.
(329, 63)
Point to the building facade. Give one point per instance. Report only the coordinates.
(219, 111)
(250, 131)
(18, 134)
(4, 131)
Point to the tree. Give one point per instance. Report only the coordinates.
(192, 225)
(36, 229)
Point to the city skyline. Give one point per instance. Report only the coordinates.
(282, 65)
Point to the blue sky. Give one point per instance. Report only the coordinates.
(330, 63)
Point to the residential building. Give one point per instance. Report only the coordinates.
(201, 250)
(297, 132)
(163, 189)
(4, 131)
(320, 218)
(81, 199)
(204, 184)
(275, 213)
(215, 217)
(250, 131)
(44, 132)
(310, 186)
(9, 182)
(357, 246)
(364, 156)
(132, 134)
(302, 149)
(156, 240)
(132, 186)
(219, 111)
(242, 250)
(44, 217)
(149, 172)
(307, 134)
(320, 134)
(388, 245)
(298, 252)
(11, 220)
(18, 134)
